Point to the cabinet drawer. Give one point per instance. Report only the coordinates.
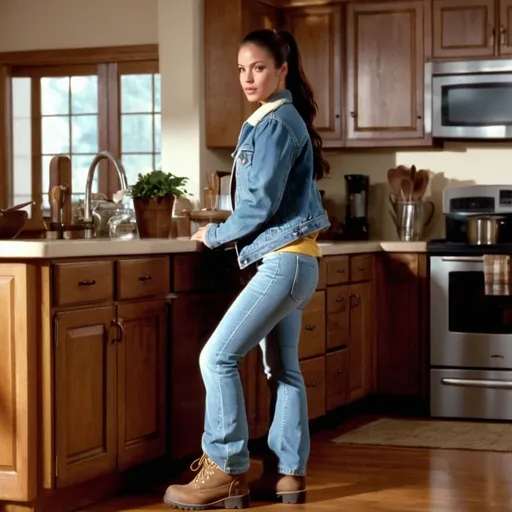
(337, 270)
(338, 316)
(336, 377)
(83, 283)
(312, 338)
(313, 372)
(361, 267)
(322, 274)
(143, 278)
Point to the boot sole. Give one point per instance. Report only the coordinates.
(292, 498)
(233, 502)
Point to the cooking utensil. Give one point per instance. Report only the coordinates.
(483, 229)
(18, 206)
(11, 223)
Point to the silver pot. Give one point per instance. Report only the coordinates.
(483, 230)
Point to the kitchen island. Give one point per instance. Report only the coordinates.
(100, 342)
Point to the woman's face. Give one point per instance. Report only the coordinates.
(259, 76)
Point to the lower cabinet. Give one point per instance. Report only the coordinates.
(110, 368)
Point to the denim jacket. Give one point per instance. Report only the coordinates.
(274, 197)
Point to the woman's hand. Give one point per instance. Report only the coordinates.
(198, 236)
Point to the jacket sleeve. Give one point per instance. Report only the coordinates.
(274, 154)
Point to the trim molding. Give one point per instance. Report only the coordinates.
(99, 55)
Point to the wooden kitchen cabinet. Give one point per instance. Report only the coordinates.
(385, 73)
(318, 32)
(226, 23)
(18, 383)
(194, 318)
(403, 325)
(471, 29)
(110, 370)
(85, 395)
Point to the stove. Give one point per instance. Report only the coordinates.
(470, 332)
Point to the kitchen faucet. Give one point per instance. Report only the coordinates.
(121, 173)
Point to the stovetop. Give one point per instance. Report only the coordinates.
(442, 247)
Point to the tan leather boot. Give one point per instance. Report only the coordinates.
(211, 488)
(275, 487)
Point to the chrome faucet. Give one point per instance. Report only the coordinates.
(121, 173)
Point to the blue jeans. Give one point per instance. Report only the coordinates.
(267, 312)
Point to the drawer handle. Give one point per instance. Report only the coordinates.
(310, 327)
(312, 385)
(87, 282)
(340, 271)
(340, 371)
(362, 270)
(145, 278)
(339, 299)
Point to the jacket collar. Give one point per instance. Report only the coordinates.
(273, 103)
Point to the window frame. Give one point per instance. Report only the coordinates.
(108, 63)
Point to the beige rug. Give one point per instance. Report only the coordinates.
(432, 434)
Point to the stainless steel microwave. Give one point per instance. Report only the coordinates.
(470, 99)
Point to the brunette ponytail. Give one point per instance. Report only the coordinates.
(283, 47)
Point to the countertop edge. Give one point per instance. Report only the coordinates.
(55, 249)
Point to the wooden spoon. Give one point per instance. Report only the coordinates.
(420, 184)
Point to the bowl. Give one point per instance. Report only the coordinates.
(11, 223)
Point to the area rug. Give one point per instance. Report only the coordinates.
(459, 435)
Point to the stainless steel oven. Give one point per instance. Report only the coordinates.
(470, 342)
(470, 99)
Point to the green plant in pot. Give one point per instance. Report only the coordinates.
(153, 200)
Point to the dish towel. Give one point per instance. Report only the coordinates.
(497, 274)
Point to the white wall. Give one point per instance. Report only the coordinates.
(54, 24)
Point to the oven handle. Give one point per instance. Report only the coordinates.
(463, 258)
(496, 384)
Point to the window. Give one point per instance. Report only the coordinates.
(78, 110)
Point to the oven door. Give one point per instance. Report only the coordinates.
(468, 328)
(475, 106)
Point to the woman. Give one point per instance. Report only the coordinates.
(277, 216)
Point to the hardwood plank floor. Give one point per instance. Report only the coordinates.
(382, 479)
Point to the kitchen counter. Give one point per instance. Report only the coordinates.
(43, 249)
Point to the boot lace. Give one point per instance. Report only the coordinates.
(206, 466)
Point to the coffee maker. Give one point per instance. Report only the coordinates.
(356, 209)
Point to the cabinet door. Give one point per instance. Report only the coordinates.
(18, 381)
(318, 34)
(361, 351)
(85, 395)
(505, 28)
(194, 318)
(385, 70)
(141, 386)
(463, 28)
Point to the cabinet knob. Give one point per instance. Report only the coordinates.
(352, 114)
(145, 278)
(310, 327)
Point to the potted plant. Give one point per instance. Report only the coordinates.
(153, 200)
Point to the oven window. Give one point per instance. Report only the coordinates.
(477, 104)
(471, 310)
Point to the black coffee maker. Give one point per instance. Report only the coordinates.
(357, 187)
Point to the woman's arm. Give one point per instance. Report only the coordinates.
(274, 154)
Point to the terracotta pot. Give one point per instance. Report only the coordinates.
(154, 216)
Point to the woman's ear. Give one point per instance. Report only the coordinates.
(284, 69)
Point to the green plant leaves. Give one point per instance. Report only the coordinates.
(158, 184)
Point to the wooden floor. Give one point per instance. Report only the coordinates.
(366, 479)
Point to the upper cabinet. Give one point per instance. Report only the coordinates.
(385, 77)
(318, 33)
(471, 29)
(226, 23)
